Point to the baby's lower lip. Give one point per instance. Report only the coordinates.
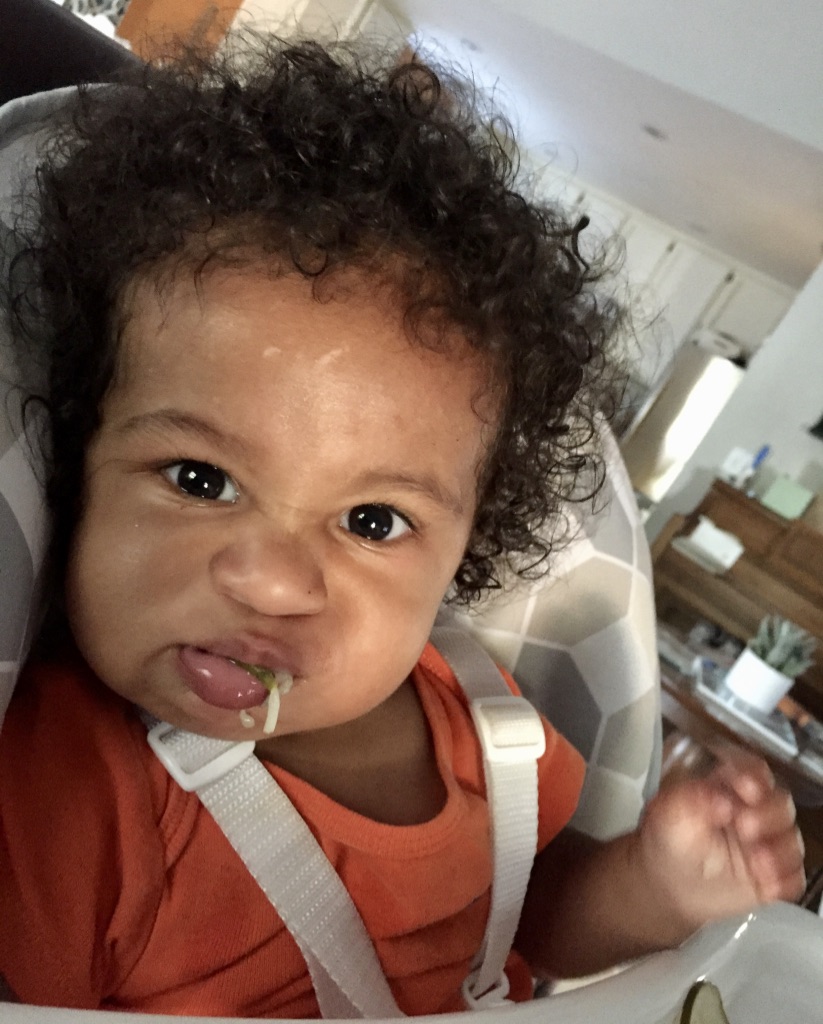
(218, 681)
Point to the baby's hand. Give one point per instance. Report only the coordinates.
(722, 844)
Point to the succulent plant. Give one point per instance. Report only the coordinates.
(783, 645)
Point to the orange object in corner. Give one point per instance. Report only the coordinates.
(153, 27)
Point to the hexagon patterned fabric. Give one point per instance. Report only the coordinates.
(581, 645)
(22, 529)
(22, 511)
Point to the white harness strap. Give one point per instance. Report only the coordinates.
(512, 738)
(287, 863)
(285, 859)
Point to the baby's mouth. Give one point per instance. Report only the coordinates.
(277, 683)
(231, 684)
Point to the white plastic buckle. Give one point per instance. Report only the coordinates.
(211, 771)
(509, 728)
(491, 998)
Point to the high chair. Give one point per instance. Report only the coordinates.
(618, 731)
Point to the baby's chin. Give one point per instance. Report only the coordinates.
(271, 719)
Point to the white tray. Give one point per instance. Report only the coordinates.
(768, 967)
(775, 727)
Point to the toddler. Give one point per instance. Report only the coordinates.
(315, 365)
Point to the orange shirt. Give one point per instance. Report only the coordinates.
(119, 891)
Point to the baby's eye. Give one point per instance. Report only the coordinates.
(375, 522)
(201, 480)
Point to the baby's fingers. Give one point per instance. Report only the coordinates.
(772, 846)
(773, 815)
(776, 868)
(745, 774)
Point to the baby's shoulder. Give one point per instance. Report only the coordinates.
(77, 788)
(68, 738)
(61, 702)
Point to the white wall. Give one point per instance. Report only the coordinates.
(779, 398)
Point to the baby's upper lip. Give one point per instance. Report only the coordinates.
(256, 651)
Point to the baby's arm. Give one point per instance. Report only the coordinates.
(706, 848)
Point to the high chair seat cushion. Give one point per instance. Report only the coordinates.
(581, 644)
(23, 517)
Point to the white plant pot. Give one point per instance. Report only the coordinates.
(751, 679)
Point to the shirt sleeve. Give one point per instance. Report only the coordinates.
(81, 865)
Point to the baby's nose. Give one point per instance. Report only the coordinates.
(272, 572)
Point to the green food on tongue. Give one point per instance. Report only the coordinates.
(264, 676)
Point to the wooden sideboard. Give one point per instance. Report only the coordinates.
(780, 571)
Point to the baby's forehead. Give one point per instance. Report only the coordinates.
(261, 364)
(253, 332)
(183, 293)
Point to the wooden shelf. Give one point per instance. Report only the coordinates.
(780, 572)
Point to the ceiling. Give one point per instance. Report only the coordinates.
(707, 116)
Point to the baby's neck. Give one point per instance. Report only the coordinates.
(381, 765)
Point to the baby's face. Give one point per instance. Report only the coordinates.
(278, 481)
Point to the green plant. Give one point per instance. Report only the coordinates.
(783, 645)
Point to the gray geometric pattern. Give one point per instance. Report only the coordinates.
(581, 645)
(23, 521)
(608, 586)
(22, 536)
(550, 677)
(620, 750)
(16, 577)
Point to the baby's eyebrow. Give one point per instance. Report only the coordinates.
(424, 483)
(185, 422)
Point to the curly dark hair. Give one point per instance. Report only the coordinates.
(329, 158)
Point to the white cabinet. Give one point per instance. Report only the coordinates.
(605, 222)
(647, 246)
(676, 289)
(670, 284)
(673, 285)
(685, 283)
(749, 310)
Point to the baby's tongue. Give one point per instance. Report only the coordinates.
(220, 682)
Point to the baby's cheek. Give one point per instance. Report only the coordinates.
(108, 576)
